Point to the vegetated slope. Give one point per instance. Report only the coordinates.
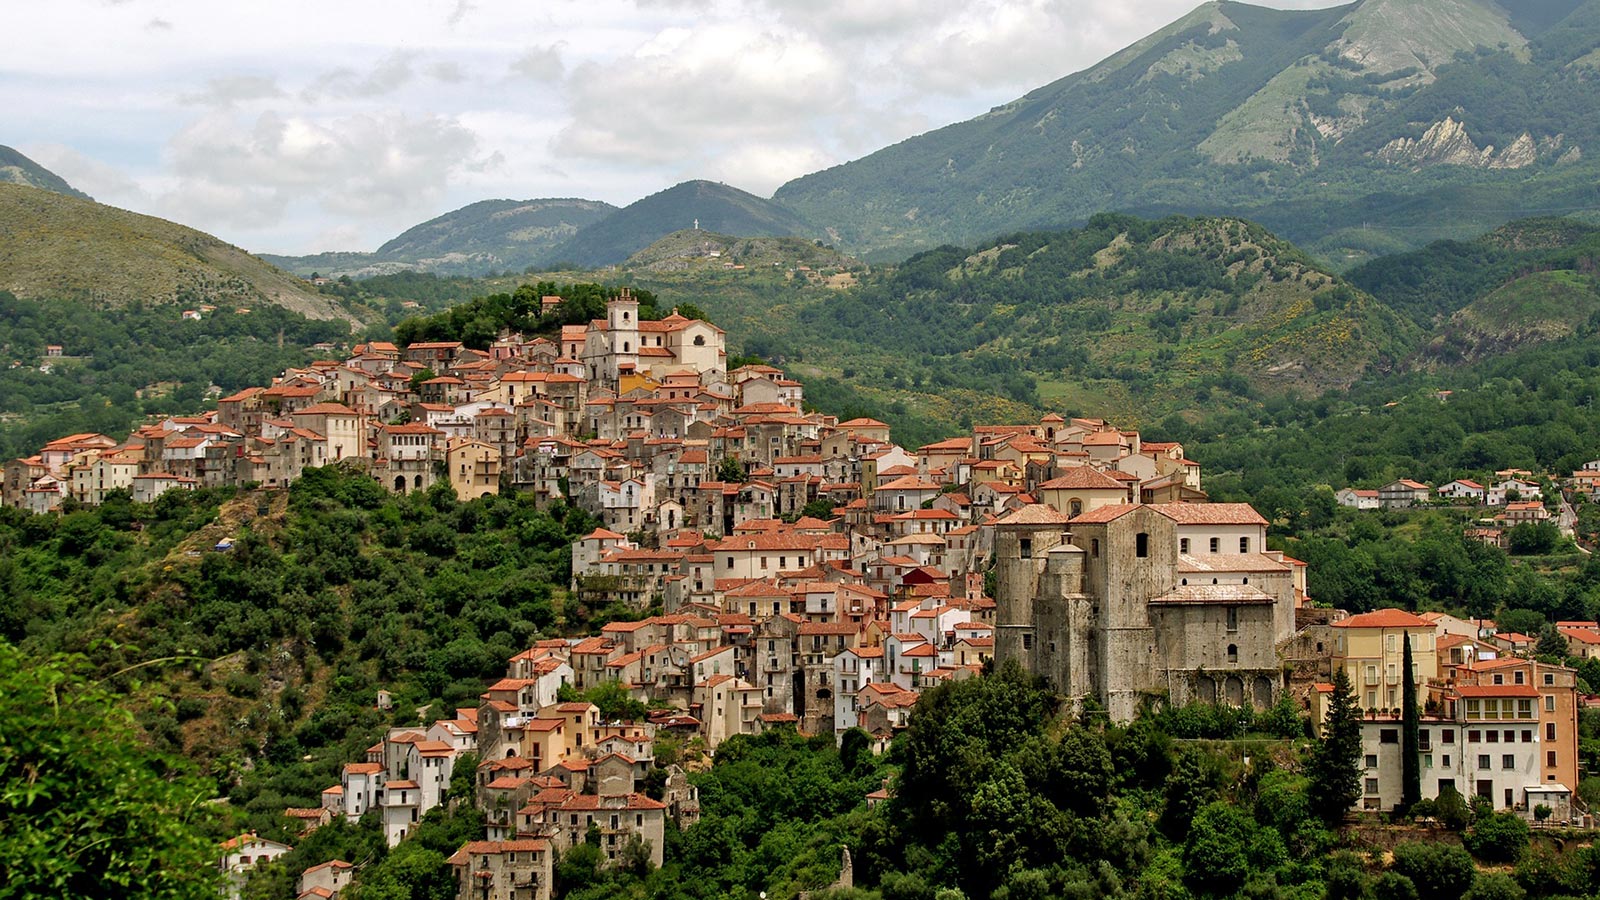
(691, 250)
(1433, 116)
(18, 169)
(1157, 306)
(490, 235)
(716, 207)
(55, 246)
(1430, 284)
(1528, 282)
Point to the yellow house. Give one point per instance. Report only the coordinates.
(1371, 647)
(474, 467)
(1081, 489)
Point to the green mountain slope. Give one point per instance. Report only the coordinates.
(691, 250)
(490, 235)
(57, 247)
(18, 169)
(716, 207)
(1155, 304)
(1351, 129)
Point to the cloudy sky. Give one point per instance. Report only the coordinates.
(293, 127)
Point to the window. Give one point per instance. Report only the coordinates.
(1216, 545)
(1527, 735)
(1449, 736)
(1094, 548)
(1494, 737)
(1549, 678)
(1141, 545)
(1389, 736)
(1524, 709)
(1550, 703)
(1518, 678)
(1027, 641)
(1372, 760)
(1077, 508)
(1372, 785)
(1499, 678)
(1389, 643)
(1507, 761)
(1233, 618)
(1549, 731)
(1233, 653)
(1483, 760)
(1244, 545)
(1446, 761)
(1183, 545)
(1026, 547)
(1550, 758)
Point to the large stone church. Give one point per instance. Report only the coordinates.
(1128, 603)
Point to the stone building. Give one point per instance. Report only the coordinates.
(1105, 605)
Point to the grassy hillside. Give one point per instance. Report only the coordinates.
(1353, 130)
(18, 169)
(55, 246)
(694, 251)
(716, 207)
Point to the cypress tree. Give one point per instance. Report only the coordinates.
(1336, 762)
(1410, 743)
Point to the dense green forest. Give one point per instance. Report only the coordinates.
(124, 364)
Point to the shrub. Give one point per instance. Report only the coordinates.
(1501, 837)
(1439, 871)
(1495, 887)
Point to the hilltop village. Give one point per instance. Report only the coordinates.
(790, 570)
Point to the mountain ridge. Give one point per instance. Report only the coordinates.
(1243, 110)
(17, 168)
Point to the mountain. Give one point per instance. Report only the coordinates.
(490, 235)
(1528, 282)
(1354, 130)
(690, 251)
(693, 204)
(55, 246)
(18, 169)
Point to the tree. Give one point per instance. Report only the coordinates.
(1498, 838)
(731, 470)
(87, 810)
(1410, 747)
(1439, 871)
(418, 378)
(1552, 644)
(1336, 763)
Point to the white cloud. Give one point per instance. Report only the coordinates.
(688, 93)
(106, 183)
(388, 75)
(249, 173)
(541, 63)
(233, 89)
(243, 120)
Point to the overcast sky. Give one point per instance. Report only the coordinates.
(293, 127)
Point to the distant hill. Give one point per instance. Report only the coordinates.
(1528, 282)
(490, 235)
(1157, 306)
(1353, 130)
(56, 246)
(18, 169)
(690, 251)
(716, 207)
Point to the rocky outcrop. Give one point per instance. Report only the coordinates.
(1447, 143)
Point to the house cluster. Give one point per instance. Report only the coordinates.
(1515, 497)
(551, 774)
(1496, 723)
(427, 412)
